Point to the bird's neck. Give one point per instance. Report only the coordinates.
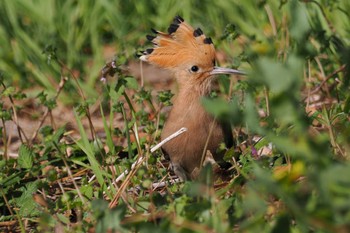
(187, 110)
(191, 85)
(189, 97)
(190, 92)
(194, 90)
(193, 93)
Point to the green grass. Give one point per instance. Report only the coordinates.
(293, 107)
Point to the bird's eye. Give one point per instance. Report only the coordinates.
(194, 68)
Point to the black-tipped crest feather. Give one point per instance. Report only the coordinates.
(172, 28)
(150, 38)
(197, 32)
(178, 19)
(208, 40)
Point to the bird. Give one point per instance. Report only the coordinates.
(190, 56)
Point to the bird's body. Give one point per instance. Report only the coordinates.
(191, 57)
(190, 146)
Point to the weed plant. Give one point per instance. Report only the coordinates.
(290, 119)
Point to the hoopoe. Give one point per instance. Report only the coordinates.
(190, 55)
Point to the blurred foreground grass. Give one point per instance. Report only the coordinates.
(290, 117)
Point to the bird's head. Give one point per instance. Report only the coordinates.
(188, 53)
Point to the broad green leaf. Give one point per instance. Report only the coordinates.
(222, 109)
(299, 24)
(25, 157)
(28, 208)
(131, 83)
(278, 77)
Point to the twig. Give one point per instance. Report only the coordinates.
(4, 140)
(163, 183)
(70, 174)
(330, 25)
(6, 202)
(204, 153)
(136, 164)
(171, 137)
(271, 19)
(47, 111)
(15, 118)
(309, 80)
(157, 185)
(266, 94)
(153, 149)
(87, 109)
(141, 70)
(340, 69)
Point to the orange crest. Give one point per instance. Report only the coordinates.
(181, 46)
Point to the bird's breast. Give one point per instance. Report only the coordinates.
(202, 133)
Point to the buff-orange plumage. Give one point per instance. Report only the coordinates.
(190, 55)
(180, 46)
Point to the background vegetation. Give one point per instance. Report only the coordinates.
(290, 117)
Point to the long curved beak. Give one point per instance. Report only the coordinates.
(222, 70)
